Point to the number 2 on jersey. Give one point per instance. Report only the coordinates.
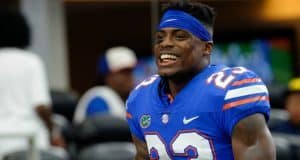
(189, 144)
(222, 80)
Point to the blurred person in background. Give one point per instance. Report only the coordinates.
(25, 104)
(116, 79)
(292, 106)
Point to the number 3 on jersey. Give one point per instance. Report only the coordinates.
(189, 144)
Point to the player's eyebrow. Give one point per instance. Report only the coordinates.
(173, 31)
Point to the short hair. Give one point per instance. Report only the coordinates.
(204, 13)
(14, 30)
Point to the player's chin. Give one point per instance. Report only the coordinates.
(164, 72)
(167, 73)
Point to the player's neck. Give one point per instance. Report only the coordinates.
(175, 87)
(178, 81)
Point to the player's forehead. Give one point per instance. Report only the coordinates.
(172, 30)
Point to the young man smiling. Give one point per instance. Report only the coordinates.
(193, 109)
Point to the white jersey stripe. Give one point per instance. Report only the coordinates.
(245, 91)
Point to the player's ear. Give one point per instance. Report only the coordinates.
(208, 48)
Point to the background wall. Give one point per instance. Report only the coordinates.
(71, 34)
(94, 25)
(47, 20)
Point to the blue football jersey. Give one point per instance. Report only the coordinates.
(198, 123)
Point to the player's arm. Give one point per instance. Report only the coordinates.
(141, 148)
(252, 140)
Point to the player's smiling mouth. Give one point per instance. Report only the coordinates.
(166, 59)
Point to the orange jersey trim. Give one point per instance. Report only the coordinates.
(171, 98)
(245, 101)
(128, 115)
(245, 81)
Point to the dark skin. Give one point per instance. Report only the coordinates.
(141, 149)
(251, 138)
(176, 42)
(121, 81)
(45, 113)
(292, 106)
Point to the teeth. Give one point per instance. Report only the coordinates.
(167, 56)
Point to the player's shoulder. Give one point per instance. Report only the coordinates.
(245, 83)
(236, 86)
(227, 78)
(244, 77)
(242, 72)
(144, 88)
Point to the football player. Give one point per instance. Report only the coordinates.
(193, 109)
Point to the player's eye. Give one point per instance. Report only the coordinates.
(159, 37)
(181, 35)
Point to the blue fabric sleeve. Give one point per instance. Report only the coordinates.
(245, 99)
(133, 121)
(234, 115)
